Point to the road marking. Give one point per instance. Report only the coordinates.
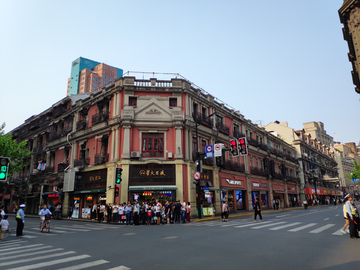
(251, 224)
(7, 249)
(84, 265)
(323, 228)
(37, 258)
(17, 252)
(40, 233)
(48, 263)
(25, 236)
(284, 226)
(337, 215)
(72, 229)
(120, 268)
(338, 232)
(302, 227)
(10, 244)
(267, 225)
(53, 230)
(29, 254)
(282, 216)
(326, 218)
(231, 224)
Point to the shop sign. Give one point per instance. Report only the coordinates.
(102, 198)
(53, 196)
(7, 197)
(333, 192)
(157, 193)
(76, 198)
(152, 173)
(98, 176)
(233, 182)
(259, 185)
(89, 198)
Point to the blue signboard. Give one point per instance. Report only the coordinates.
(205, 188)
(355, 179)
(209, 151)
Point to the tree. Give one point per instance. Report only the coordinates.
(355, 173)
(14, 150)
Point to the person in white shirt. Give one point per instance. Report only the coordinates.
(4, 226)
(115, 212)
(121, 212)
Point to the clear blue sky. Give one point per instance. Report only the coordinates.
(272, 60)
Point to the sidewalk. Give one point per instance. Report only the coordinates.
(232, 215)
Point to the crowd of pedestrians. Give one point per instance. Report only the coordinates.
(144, 213)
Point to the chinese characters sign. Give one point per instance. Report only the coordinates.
(152, 174)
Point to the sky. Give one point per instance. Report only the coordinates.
(271, 60)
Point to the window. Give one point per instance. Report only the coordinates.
(132, 101)
(203, 145)
(204, 110)
(173, 102)
(195, 108)
(153, 145)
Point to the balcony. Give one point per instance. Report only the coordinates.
(258, 171)
(54, 136)
(101, 159)
(263, 146)
(237, 134)
(100, 117)
(278, 176)
(234, 166)
(293, 179)
(223, 128)
(81, 125)
(49, 169)
(58, 111)
(203, 119)
(81, 162)
(253, 142)
(62, 166)
(38, 150)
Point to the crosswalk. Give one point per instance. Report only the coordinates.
(272, 225)
(33, 232)
(19, 254)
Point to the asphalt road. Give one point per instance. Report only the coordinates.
(297, 239)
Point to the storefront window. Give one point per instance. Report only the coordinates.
(264, 199)
(240, 200)
(152, 196)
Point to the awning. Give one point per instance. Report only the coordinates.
(136, 188)
(90, 191)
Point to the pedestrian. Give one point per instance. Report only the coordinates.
(142, 213)
(20, 219)
(70, 211)
(128, 210)
(4, 227)
(98, 212)
(224, 211)
(109, 212)
(102, 213)
(158, 212)
(177, 209)
(136, 213)
(183, 211)
(350, 212)
(93, 212)
(122, 213)
(257, 209)
(57, 211)
(277, 204)
(274, 205)
(115, 212)
(188, 212)
(149, 214)
(305, 204)
(2, 211)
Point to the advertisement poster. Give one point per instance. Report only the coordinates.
(85, 213)
(75, 213)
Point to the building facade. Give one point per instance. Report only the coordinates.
(90, 76)
(147, 127)
(317, 165)
(350, 17)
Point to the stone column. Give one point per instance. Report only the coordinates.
(65, 205)
(117, 141)
(179, 180)
(126, 145)
(178, 149)
(112, 144)
(110, 182)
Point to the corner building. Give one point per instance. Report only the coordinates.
(147, 128)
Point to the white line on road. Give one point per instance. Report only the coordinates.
(10, 244)
(48, 263)
(25, 236)
(302, 227)
(7, 249)
(39, 233)
(71, 229)
(120, 268)
(268, 225)
(282, 216)
(337, 215)
(323, 228)
(29, 254)
(84, 265)
(52, 230)
(251, 224)
(17, 252)
(37, 258)
(338, 232)
(326, 218)
(285, 226)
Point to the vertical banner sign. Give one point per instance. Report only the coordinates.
(209, 151)
(217, 150)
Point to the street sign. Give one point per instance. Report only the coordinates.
(209, 151)
(217, 150)
(355, 179)
(205, 188)
(197, 175)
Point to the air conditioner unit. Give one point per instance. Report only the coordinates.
(135, 154)
(170, 155)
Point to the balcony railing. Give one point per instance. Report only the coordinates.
(234, 166)
(293, 179)
(258, 171)
(253, 142)
(278, 176)
(100, 117)
(62, 166)
(101, 158)
(238, 134)
(223, 128)
(152, 154)
(58, 111)
(81, 162)
(263, 146)
(49, 169)
(38, 149)
(81, 125)
(59, 134)
(203, 119)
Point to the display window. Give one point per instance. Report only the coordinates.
(153, 195)
(240, 200)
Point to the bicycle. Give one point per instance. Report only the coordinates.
(46, 225)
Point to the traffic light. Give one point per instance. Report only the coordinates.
(118, 175)
(117, 191)
(234, 148)
(4, 168)
(243, 146)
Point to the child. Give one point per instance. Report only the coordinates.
(4, 223)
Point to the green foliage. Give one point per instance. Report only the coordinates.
(355, 173)
(14, 150)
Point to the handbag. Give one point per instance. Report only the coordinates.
(122, 217)
(188, 210)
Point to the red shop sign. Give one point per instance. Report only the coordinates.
(53, 196)
(7, 197)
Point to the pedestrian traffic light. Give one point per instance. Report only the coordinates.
(234, 148)
(118, 175)
(117, 191)
(4, 168)
(243, 146)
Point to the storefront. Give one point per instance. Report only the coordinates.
(90, 190)
(278, 189)
(260, 191)
(234, 191)
(151, 182)
(51, 198)
(292, 193)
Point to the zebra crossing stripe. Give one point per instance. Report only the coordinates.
(302, 227)
(120, 268)
(29, 254)
(71, 229)
(323, 228)
(268, 225)
(84, 265)
(284, 226)
(25, 236)
(17, 252)
(37, 258)
(338, 232)
(48, 263)
(31, 232)
(9, 244)
(51, 230)
(251, 224)
(13, 248)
